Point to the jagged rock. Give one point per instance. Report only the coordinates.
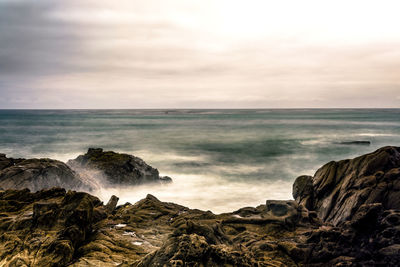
(366, 217)
(194, 250)
(58, 228)
(65, 218)
(392, 251)
(303, 191)
(118, 168)
(111, 204)
(37, 174)
(340, 188)
(7, 162)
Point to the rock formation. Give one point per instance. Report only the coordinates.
(356, 142)
(347, 214)
(338, 189)
(37, 174)
(119, 169)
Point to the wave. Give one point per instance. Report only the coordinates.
(204, 192)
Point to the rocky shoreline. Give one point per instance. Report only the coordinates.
(347, 214)
(94, 169)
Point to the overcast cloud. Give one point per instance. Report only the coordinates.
(199, 54)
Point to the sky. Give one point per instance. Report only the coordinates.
(199, 54)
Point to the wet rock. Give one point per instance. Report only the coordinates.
(357, 199)
(340, 188)
(37, 174)
(118, 168)
(165, 179)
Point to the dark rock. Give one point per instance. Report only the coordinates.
(366, 217)
(303, 191)
(118, 168)
(357, 199)
(393, 250)
(165, 179)
(45, 214)
(52, 223)
(7, 162)
(340, 188)
(391, 218)
(193, 250)
(112, 203)
(355, 142)
(391, 255)
(37, 174)
(281, 207)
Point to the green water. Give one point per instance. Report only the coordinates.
(208, 149)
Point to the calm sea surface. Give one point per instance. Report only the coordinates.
(220, 160)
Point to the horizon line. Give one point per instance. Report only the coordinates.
(295, 108)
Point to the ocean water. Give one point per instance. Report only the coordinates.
(220, 160)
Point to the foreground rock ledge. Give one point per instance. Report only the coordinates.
(59, 228)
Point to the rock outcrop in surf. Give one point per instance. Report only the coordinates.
(347, 214)
(37, 174)
(118, 168)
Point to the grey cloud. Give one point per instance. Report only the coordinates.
(34, 43)
(30, 43)
(53, 56)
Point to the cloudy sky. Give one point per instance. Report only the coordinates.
(199, 54)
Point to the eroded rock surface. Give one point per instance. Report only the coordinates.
(44, 228)
(338, 189)
(37, 174)
(59, 228)
(118, 168)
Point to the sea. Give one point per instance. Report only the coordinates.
(219, 160)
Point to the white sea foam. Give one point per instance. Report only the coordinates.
(151, 156)
(239, 169)
(313, 142)
(205, 192)
(376, 134)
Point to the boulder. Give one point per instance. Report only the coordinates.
(37, 174)
(118, 168)
(339, 189)
(303, 191)
(112, 204)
